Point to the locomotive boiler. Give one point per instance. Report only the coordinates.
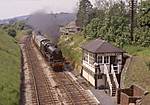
(49, 50)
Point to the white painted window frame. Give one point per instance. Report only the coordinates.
(103, 59)
(98, 59)
(108, 59)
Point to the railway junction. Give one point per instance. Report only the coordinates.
(42, 86)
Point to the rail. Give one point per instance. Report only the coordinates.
(78, 88)
(114, 76)
(71, 90)
(108, 78)
(42, 92)
(32, 75)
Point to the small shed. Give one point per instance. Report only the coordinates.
(101, 64)
(133, 95)
(70, 29)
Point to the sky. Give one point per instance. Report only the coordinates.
(13, 8)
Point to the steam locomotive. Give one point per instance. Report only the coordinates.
(49, 50)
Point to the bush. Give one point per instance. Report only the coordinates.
(12, 32)
(29, 32)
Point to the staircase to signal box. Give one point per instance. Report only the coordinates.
(113, 85)
(112, 80)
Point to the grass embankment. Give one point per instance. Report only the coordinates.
(70, 46)
(139, 71)
(9, 70)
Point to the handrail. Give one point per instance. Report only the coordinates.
(118, 70)
(114, 77)
(108, 78)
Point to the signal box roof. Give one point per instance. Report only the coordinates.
(101, 46)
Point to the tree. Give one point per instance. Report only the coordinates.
(119, 22)
(85, 13)
(142, 31)
(112, 26)
(133, 7)
(19, 25)
(91, 29)
(11, 32)
(104, 4)
(144, 14)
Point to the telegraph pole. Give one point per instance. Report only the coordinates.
(133, 5)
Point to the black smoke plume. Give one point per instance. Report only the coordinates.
(49, 24)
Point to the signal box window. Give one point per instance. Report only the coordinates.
(100, 59)
(106, 59)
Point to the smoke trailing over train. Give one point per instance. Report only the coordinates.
(49, 24)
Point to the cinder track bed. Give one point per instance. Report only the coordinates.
(72, 92)
(66, 91)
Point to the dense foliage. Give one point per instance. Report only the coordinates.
(112, 23)
(142, 31)
(144, 14)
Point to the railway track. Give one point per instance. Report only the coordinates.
(72, 92)
(66, 92)
(42, 92)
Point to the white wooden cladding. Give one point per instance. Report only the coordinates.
(89, 57)
(90, 67)
(88, 77)
(108, 54)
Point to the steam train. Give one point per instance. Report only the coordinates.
(49, 50)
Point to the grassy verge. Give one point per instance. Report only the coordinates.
(9, 70)
(137, 51)
(20, 34)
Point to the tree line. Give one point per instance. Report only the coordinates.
(13, 27)
(111, 21)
